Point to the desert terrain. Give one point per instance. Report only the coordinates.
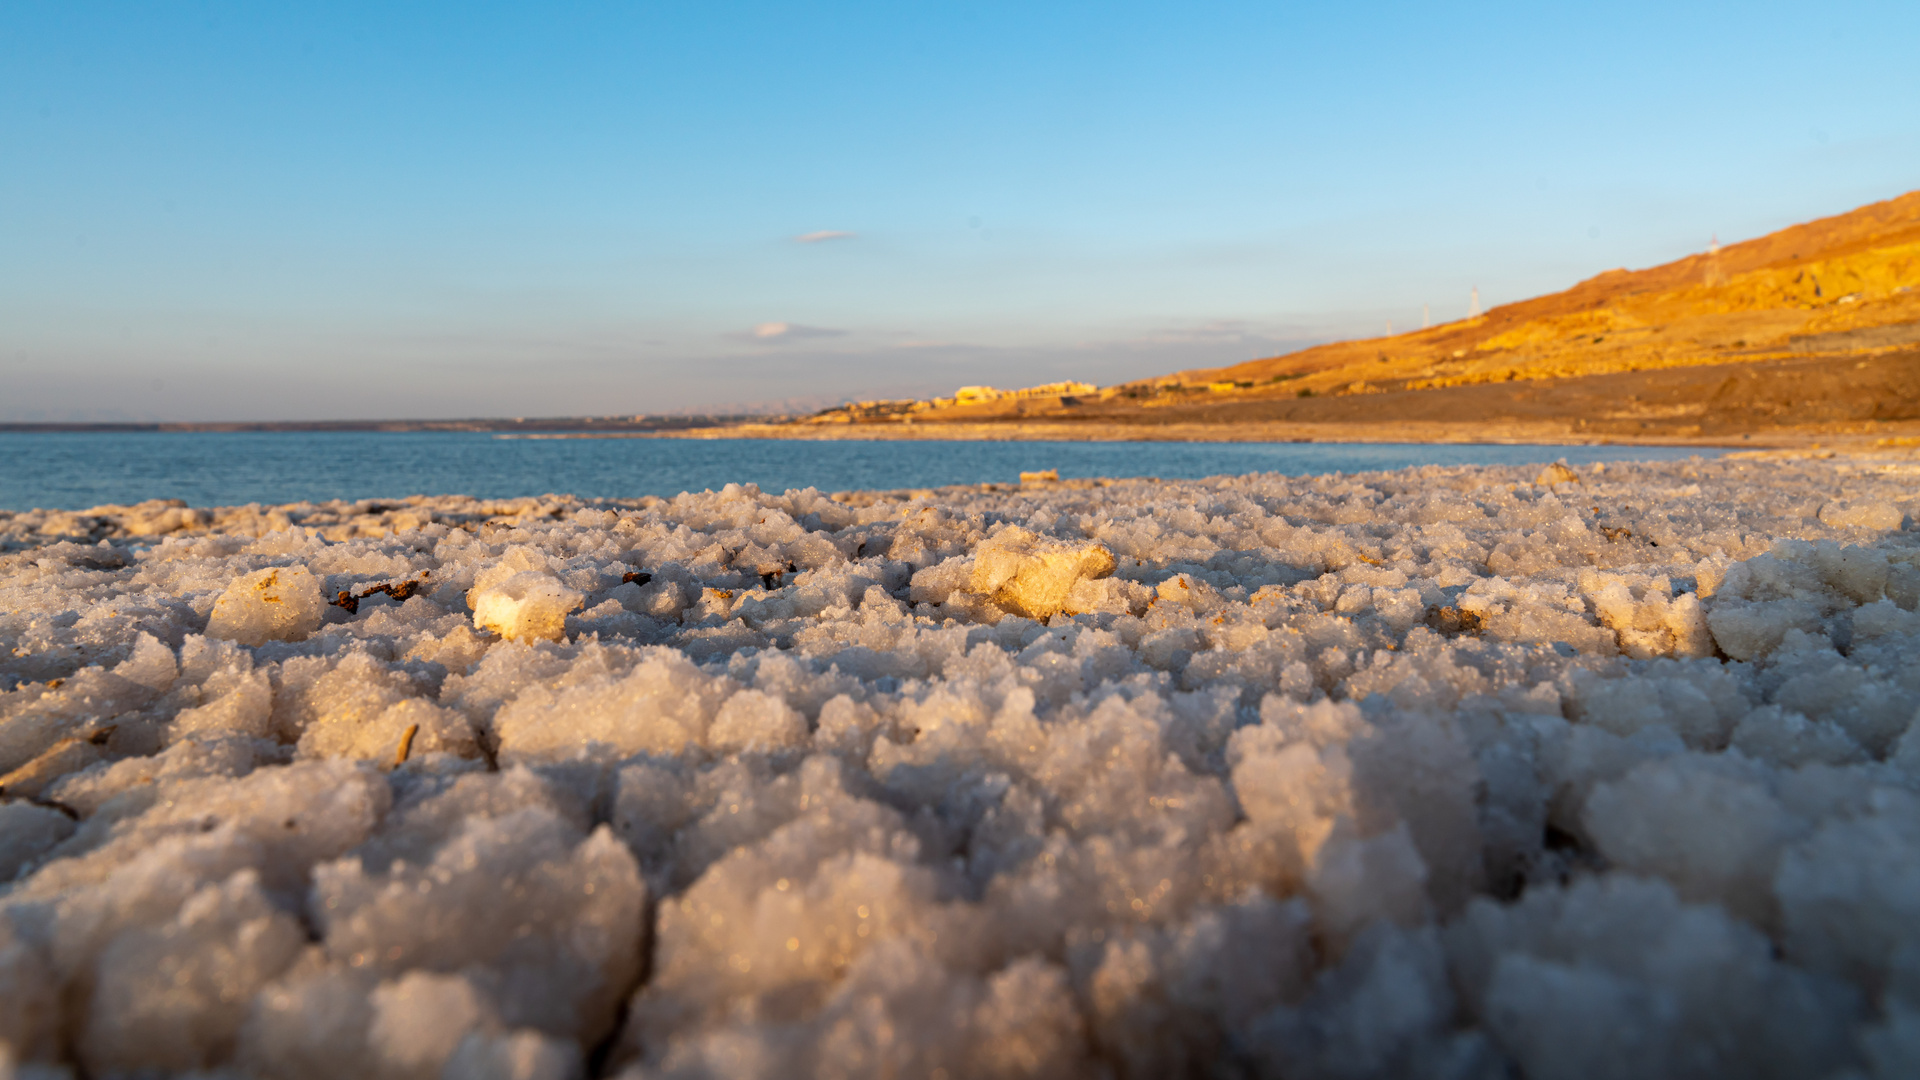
(1808, 334)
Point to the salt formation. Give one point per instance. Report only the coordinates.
(517, 599)
(1027, 575)
(275, 604)
(1449, 772)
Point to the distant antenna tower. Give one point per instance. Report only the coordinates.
(1426, 316)
(1473, 310)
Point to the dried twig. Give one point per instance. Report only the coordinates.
(68, 755)
(399, 590)
(406, 745)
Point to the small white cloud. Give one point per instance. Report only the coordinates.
(823, 236)
(782, 331)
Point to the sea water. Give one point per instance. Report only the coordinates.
(76, 470)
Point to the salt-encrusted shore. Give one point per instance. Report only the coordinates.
(1449, 772)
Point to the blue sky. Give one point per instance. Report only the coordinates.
(228, 211)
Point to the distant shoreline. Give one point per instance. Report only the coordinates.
(1834, 437)
(1493, 434)
(481, 425)
(1197, 433)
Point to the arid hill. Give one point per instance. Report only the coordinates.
(1841, 285)
(1812, 330)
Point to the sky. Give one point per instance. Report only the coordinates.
(214, 211)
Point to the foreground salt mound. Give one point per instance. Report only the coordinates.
(1035, 576)
(1445, 772)
(518, 599)
(275, 604)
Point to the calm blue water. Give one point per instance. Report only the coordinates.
(73, 471)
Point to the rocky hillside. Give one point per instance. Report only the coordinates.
(1812, 332)
(1846, 285)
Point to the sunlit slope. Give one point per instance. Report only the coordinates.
(1845, 285)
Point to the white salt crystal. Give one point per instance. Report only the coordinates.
(1877, 514)
(26, 832)
(277, 604)
(1032, 576)
(528, 605)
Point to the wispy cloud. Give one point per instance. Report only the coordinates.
(1217, 330)
(774, 332)
(823, 236)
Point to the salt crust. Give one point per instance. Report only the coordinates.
(1445, 772)
(280, 603)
